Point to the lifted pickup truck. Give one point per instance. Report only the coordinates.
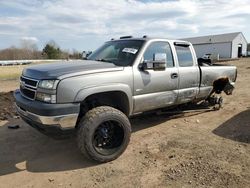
(95, 97)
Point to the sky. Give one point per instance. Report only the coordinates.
(86, 24)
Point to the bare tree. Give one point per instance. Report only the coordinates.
(29, 46)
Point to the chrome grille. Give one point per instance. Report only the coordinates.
(29, 82)
(28, 87)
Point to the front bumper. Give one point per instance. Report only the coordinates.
(60, 116)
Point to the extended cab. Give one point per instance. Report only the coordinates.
(95, 97)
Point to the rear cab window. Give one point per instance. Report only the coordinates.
(184, 55)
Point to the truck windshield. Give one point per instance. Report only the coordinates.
(120, 53)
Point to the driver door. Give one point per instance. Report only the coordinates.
(156, 89)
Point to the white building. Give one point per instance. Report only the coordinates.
(229, 45)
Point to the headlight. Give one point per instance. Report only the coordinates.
(48, 84)
(46, 97)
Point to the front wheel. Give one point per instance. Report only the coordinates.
(103, 134)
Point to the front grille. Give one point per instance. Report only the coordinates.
(28, 87)
(28, 93)
(29, 82)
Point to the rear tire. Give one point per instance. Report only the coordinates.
(103, 134)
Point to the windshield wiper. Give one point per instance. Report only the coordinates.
(104, 60)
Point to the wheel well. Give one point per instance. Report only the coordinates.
(116, 99)
(220, 84)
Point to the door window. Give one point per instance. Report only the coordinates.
(159, 47)
(184, 55)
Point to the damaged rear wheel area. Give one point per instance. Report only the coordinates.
(222, 84)
(215, 99)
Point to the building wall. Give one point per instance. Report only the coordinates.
(223, 49)
(239, 40)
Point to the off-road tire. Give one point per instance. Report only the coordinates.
(87, 128)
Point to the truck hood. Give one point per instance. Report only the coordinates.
(65, 69)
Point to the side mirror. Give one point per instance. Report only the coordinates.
(157, 64)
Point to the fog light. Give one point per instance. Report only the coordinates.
(46, 97)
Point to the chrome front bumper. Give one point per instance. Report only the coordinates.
(64, 121)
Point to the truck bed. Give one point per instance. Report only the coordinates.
(209, 74)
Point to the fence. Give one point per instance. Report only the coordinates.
(26, 62)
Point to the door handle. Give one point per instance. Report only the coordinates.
(174, 75)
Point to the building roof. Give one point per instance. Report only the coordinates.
(228, 37)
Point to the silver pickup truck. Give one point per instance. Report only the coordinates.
(95, 97)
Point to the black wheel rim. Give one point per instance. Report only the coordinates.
(108, 137)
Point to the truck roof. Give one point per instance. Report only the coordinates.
(146, 38)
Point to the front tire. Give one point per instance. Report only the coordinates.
(103, 134)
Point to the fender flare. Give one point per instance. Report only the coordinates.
(86, 92)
